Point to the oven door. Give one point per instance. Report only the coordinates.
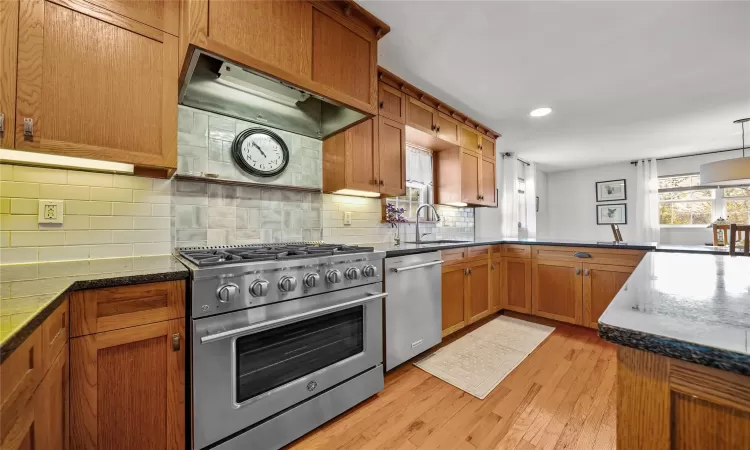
(251, 364)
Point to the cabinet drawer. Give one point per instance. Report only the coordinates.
(621, 257)
(454, 255)
(98, 310)
(481, 252)
(54, 334)
(20, 375)
(517, 250)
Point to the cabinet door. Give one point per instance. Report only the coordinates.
(454, 295)
(516, 276)
(125, 380)
(496, 285)
(20, 375)
(343, 59)
(391, 103)
(448, 129)
(600, 285)
(478, 303)
(469, 177)
(51, 405)
(8, 61)
(420, 116)
(160, 14)
(362, 164)
(557, 290)
(469, 138)
(95, 85)
(391, 157)
(19, 433)
(487, 145)
(488, 191)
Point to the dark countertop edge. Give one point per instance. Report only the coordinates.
(674, 348)
(19, 337)
(694, 251)
(437, 247)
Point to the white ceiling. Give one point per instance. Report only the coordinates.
(625, 80)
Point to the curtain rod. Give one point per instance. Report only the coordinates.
(507, 155)
(635, 163)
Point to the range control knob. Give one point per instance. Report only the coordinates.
(352, 273)
(259, 288)
(311, 279)
(370, 271)
(333, 276)
(287, 284)
(227, 292)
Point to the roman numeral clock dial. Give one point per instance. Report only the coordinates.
(260, 152)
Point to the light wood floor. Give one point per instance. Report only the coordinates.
(562, 396)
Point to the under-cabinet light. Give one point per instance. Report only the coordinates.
(459, 204)
(68, 162)
(356, 193)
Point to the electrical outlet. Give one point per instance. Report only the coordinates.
(348, 218)
(50, 211)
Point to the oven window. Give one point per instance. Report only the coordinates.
(274, 357)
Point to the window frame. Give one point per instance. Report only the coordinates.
(718, 201)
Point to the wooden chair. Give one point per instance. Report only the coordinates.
(724, 228)
(735, 231)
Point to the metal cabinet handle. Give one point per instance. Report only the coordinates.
(582, 255)
(381, 105)
(470, 272)
(28, 127)
(578, 271)
(416, 266)
(492, 267)
(586, 272)
(176, 342)
(381, 182)
(2, 124)
(262, 326)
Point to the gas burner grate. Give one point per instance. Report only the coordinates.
(215, 256)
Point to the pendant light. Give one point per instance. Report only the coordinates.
(730, 172)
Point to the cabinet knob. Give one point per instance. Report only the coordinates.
(381, 182)
(578, 271)
(381, 105)
(438, 128)
(492, 267)
(176, 342)
(586, 272)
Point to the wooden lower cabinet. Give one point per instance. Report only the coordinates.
(454, 297)
(516, 284)
(496, 285)
(557, 290)
(467, 292)
(128, 388)
(51, 405)
(478, 301)
(600, 285)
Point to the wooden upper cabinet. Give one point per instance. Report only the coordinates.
(469, 138)
(391, 151)
(557, 290)
(8, 61)
(453, 297)
(470, 163)
(488, 191)
(516, 284)
(421, 116)
(487, 145)
(448, 129)
(163, 15)
(478, 303)
(600, 285)
(391, 103)
(125, 380)
(96, 85)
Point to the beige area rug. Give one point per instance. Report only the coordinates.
(478, 362)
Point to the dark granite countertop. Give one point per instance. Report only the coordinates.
(30, 292)
(686, 306)
(700, 249)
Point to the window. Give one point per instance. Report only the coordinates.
(416, 194)
(521, 184)
(418, 185)
(684, 202)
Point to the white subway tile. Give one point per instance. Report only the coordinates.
(111, 223)
(18, 255)
(76, 207)
(67, 253)
(4, 239)
(4, 206)
(19, 189)
(132, 182)
(24, 206)
(66, 269)
(39, 175)
(151, 223)
(6, 172)
(36, 238)
(76, 222)
(110, 251)
(12, 223)
(151, 197)
(131, 209)
(111, 194)
(18, 272)
(140, 236)
(161, 210)
(36, 287)
(81, 178)
(63, 192)
(88, 237)
(160, 248)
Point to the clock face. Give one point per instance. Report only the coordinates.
(260, 152)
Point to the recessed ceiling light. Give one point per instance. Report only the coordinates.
(539, 112)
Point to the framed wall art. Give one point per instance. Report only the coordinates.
(608, 191)
(613, 213)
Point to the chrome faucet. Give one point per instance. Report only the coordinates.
(437, 217)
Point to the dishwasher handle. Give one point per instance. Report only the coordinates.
(416, 266)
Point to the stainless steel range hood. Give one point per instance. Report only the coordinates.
(216, 85)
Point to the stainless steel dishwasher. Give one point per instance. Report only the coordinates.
(413, 309)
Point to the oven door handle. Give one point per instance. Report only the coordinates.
(416, 266)
(257, 327)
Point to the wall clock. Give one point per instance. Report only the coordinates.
(260, 152)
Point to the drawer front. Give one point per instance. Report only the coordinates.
(517, 250)
(98, 310)
(54, 334)
(481, 252)
(621, 257)
(20, 375)
(454, 255)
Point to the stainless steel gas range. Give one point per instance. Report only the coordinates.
(284, 338)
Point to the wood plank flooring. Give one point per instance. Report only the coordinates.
(561, 397)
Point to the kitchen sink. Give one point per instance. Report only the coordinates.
(440, 241)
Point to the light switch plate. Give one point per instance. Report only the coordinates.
(348, 218)
(50, 211)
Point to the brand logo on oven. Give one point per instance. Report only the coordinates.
(311, 386)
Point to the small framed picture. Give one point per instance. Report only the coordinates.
(616, 213)
(608, 191)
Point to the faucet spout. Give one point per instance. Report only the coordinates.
(437, 217)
